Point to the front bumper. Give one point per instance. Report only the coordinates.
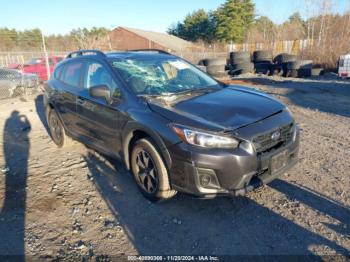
(210, 172)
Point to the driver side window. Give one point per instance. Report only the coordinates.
(97, 75)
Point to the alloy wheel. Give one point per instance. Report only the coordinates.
(56, 129)
(147, 172)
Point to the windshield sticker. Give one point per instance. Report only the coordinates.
(179, 65)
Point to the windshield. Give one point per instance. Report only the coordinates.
(34, 61)
(161, 75)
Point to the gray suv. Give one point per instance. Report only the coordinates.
(176, 128)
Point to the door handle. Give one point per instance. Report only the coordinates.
(80, 101)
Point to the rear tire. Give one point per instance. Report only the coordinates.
(150, 172)
(57, 132)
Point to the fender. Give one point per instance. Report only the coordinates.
(128, 133)
(49, 105)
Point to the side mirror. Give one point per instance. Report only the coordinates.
(100, 91)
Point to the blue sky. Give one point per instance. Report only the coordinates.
(60, 16)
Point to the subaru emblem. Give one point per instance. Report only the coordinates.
(276, 135)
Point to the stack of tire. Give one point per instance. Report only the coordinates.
(288, 63)
(305, 69)
(308, 69)
(216, 67)
(263, 62)
(240, 63)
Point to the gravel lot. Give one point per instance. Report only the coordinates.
(74, 203)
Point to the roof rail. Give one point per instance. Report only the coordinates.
(150, 50)
(85, 52)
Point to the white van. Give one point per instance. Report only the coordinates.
(344, 66)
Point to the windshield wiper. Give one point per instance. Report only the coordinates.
(182, 93)
(157, 95)
(192, 91)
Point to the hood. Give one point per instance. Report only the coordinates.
(29, 68)
(228, 108)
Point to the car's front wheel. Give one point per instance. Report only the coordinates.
(150, 172)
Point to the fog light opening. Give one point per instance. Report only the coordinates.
(205, 180)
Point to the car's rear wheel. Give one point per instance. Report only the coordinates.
(150, 172)
(57, 131)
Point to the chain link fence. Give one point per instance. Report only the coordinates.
(16, 84)
(9, 59)
(23, 73)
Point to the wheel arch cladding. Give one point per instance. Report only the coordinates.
(134, 132)
(47, 108)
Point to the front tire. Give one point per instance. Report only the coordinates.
(150, 172)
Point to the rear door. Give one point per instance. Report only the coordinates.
(66, 92)
(98, 119)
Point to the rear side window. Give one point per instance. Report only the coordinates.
(72, 73)
(341, 62)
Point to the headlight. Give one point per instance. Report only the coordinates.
(202, 139)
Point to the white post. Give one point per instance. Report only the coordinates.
(46, 57)
(109, 42)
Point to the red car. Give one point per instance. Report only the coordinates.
(38, 66)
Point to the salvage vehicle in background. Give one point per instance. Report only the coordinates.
(344, 66)
(175, 127)
(38, 66)
(12, 82)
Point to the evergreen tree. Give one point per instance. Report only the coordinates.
(296, 17)
(233, 19)
(198, 25)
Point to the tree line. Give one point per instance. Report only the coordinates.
(31, 40)
(235, 21)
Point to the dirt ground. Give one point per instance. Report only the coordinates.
(74, 203)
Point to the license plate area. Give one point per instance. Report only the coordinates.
(278, 161)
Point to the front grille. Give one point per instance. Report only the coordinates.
(264, 143)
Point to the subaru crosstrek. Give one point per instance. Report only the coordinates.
(176, 128)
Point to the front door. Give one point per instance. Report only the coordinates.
(98, 118)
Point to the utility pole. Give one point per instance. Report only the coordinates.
(46, 56)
